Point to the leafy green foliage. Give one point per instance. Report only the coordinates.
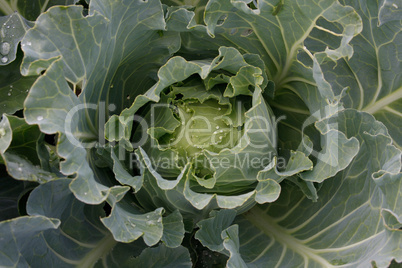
(183, 133)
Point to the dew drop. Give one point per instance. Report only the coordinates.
(29, 43)
(11, 86)
(9, 94)
(221, 20)
(4, 59)
(150, 223)
(217, 127)
(8, 27)
(246, 32)
(2, 132)
(85, 193)
(19, 169)
(112, 107)
(5, 48)
(395, 6)
(160, 220)
(39, 118)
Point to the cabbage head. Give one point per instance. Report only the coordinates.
(210, 133)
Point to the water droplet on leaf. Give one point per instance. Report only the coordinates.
(39, 118)
(221, 20)
(5, 48)
(246, 32)
(150, 223)
(4, 59)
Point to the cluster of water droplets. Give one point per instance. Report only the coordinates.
(5, 46)
(4, 50)
(10, 92)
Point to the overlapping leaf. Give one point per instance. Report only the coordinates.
(334, 231)
(82, 239)
(373, 73)
(96, 54)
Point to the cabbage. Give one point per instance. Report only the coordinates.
(200, 133)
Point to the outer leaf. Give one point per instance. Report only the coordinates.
(259, 31)
(80, 241)
(11, 192)
(30, 9)
(13, 86)
(389, 10)
(12, 30)
(210, 230)
(173, 229)
(128, 223)
(95, 53)
(294, 232)
(373, 74)
(50, 119)
(18, 148)
(122, 174)
(15, 248)
(231, 243)
(390, 185)
(162, 256)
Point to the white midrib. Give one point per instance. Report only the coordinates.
(263, 222)
(380, 104)
(103, 247)
(295, 46)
